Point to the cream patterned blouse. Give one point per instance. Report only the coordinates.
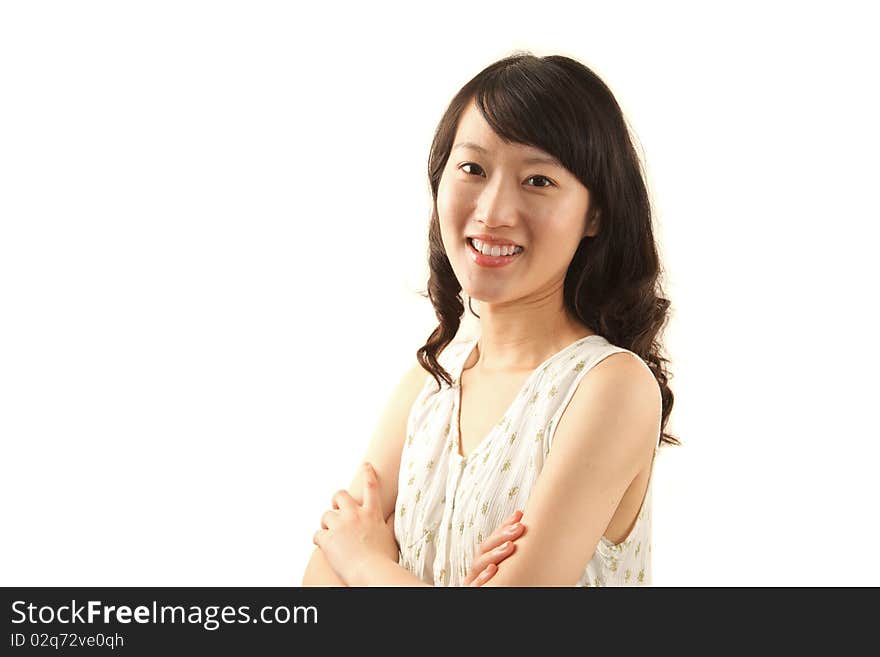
(448, 504)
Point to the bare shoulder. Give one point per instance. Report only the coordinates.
(414, 380)
(625, 370)
(407, 391)
(618, 388)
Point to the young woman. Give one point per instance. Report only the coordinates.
(558, 407)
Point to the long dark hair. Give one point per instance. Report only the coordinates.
(612, 285)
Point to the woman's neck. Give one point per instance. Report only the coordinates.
(514, 340)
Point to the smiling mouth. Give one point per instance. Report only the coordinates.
(516, 250)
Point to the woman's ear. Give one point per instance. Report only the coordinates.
(593, 224)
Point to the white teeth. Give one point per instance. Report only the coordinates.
(495, 250)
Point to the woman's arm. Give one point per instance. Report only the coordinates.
(319, 573)
(605, 437)
(383, 452)
(491, 552)
(383, 572)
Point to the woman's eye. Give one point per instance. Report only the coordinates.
(469, 164)
(547, 180)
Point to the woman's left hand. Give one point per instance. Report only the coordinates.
(354, 534)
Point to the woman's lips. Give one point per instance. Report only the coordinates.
(490, 261)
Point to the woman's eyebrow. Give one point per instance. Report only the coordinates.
(537, 159)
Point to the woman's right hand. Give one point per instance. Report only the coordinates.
(490, 552)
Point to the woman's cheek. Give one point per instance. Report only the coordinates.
(444, 204)
(451, 220)
(454, 197)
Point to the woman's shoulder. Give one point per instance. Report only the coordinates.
(623, 370)
(621, 383)
(603, 379)
(414, 381)
(620, 360)
(610, 361)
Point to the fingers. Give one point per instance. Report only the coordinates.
(372, 500)
(498, 547)
(490, 558)
(485, 575)
(508, 531)
(328, 519)
(343, 500)
(515, 517)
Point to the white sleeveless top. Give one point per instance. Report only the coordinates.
(448, 504)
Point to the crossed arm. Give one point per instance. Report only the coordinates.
(319, 573)
(383, 452)
(605, 437)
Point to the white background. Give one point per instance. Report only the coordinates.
(213, 223)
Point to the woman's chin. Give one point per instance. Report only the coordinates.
(486, 296)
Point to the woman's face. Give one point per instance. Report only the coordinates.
(504, 191)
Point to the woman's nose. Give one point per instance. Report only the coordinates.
(498, 204)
